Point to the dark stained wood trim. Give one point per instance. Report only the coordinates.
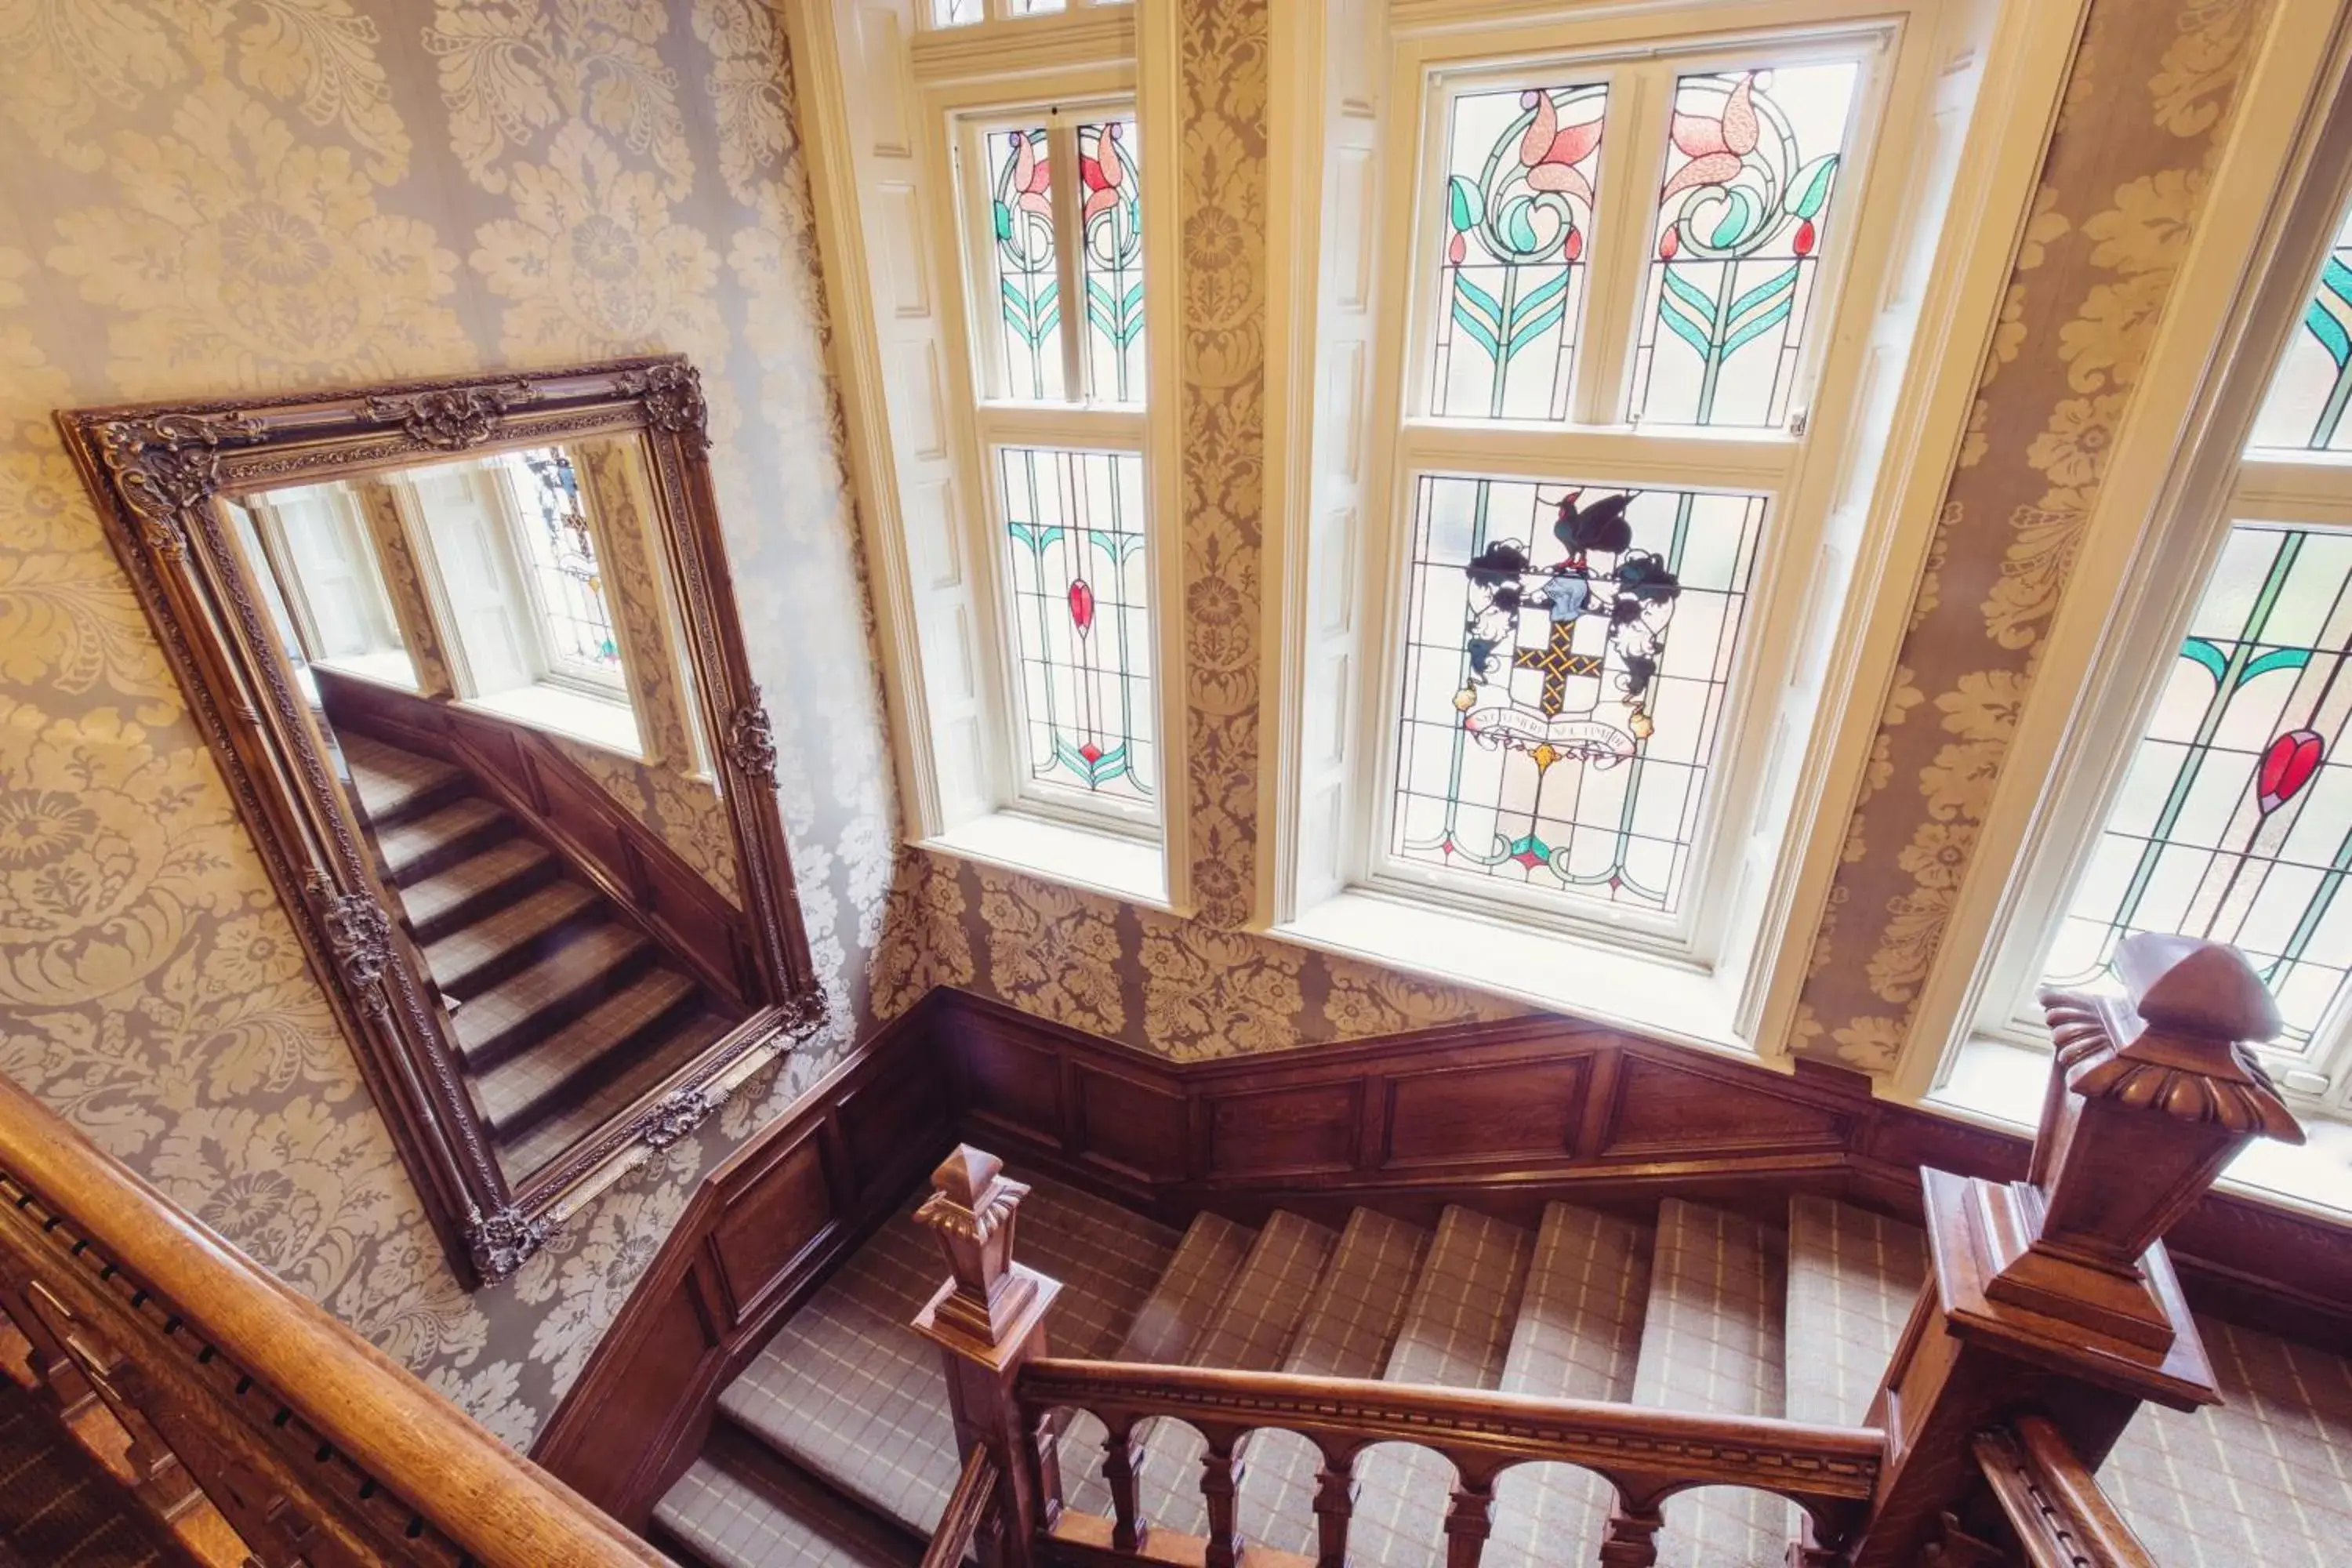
(649, 883)
(1504, 1116)
(760, 1234)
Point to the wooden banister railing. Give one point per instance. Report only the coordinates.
(970, 1512)
(1644, 1454)
(2049, 1314)
(313, 1444)
(2053, 1501)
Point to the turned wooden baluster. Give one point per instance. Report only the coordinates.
(987, 1320)
(1469, 1521)
(2055, 1293)
(1122, 1458)
(1631, 1538)
(1221, 1489)
(1335, 1506)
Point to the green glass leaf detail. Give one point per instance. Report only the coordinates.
(1738, 218)
(1518, 228)
(1809, 191)
(2196, 651)
(1004, 222)
(1036, 537)
(1464, 205)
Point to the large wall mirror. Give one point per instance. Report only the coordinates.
(469, 657)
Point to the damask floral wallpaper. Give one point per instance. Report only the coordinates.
(204, 196)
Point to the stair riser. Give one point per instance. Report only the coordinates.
(424, 802)
(487, 900)
(525, 1033)
(461, 983)
(586, 1080)
(415, 868)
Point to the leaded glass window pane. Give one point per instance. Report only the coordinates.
(1028, 305)
(2235, 819)
(2305, 407)
(1110, 217)
(1751, 166)
(956, 13)
(1076, 561)
(577, 621)
(1522, 172)
(1569, 647)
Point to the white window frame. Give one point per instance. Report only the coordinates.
(888, 97)
(604, 686)
(1939, 148)
(2286, 180)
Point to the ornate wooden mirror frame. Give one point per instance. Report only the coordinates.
(161, 473)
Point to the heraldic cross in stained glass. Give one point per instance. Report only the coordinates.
(1559, 662)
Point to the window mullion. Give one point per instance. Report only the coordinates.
(1062, 132)
(1639, 101)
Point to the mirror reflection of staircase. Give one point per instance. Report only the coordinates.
(562, 1011)
(835, 1448)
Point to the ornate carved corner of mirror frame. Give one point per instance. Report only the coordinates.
(157, 473)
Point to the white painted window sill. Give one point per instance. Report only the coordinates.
(1124, 867)
(1998, 1082)
(599, 722)
(390, 667)
(1619, 986)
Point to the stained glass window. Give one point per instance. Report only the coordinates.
(1522, 167)
(2306, 405)
(1751, 166)
(1028, 287)
(570, 587)
(956, 13)
(1111, 218)
(1567, 651)
(2235, 819)
(1077, 569)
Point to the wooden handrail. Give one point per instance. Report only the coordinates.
(2052, 1500)
(312, 1442)
(973, 1505)
(1645, 1454)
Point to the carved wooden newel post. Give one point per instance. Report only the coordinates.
(989, 1319)
(2056, 1294)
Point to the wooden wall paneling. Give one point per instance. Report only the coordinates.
(1134, 1129)
(1669, 1110)
(1302, 1130)
(761, 1233)
(1510, 1113)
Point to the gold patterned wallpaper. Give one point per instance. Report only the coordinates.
(204, 196)
(2140, 131)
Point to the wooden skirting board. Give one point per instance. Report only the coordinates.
(1502, 1116)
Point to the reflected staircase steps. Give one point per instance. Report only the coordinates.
(1682, 1306)
(561, 1011)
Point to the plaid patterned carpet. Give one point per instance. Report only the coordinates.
(1694, 1309)
(58, 1508)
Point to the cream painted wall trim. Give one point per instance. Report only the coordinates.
(2166, 484)
(1158, 106)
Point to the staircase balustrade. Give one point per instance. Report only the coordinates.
(2050, 1313)
(314, 1446)
(2053, 1501)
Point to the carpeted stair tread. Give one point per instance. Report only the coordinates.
(435, 904)
(414, 849)
(512, 1092)
(1181, 1302)
(1456, 1333)
(679, 1043)
(1853, 1277)
(847, 1390)
(1577, 1335)
(1713, 1341)
(2264, 1477)
(731, 1523)
(393, 784)
(1348, 1330)
(1250, 1332)
(556, 988)
(468, 959)
(59, 1506)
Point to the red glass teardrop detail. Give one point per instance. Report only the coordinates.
(1574, 247)
(1802, 242)
(2287, 766)
(1667, 246)
(1082, 605)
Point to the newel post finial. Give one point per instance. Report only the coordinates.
(2152, 1095)
(988, 1318)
